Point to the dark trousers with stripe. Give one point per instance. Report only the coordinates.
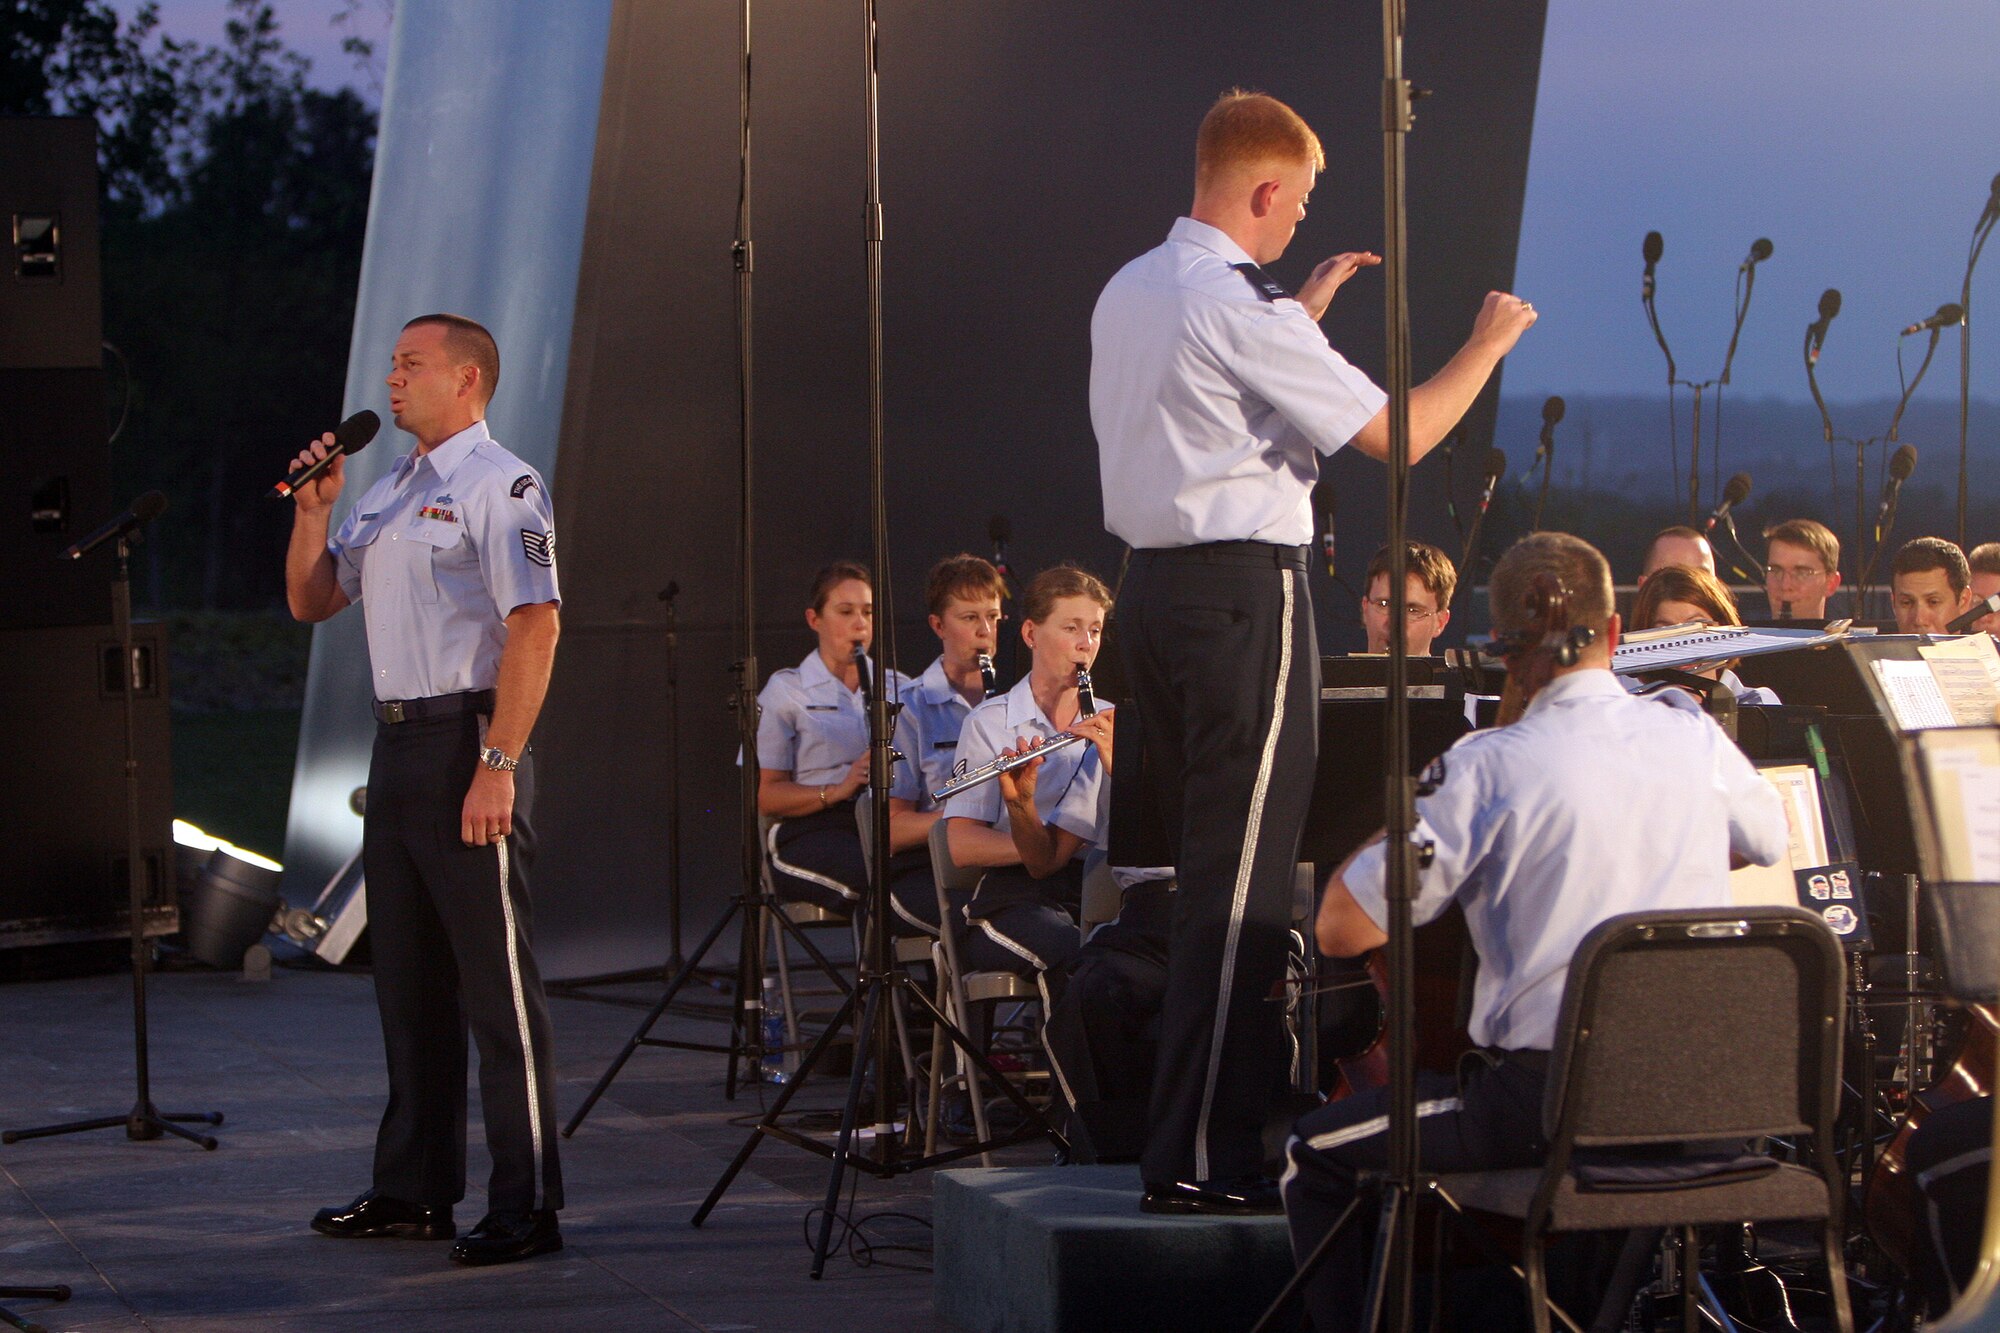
(449, 926)
(1223, 667)
(1490, 1119)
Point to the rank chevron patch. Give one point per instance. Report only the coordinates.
(539, 547)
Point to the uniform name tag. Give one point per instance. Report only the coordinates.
(822, 708)
(944, 745)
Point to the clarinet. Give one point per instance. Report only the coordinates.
(861, 670)
(989, 679)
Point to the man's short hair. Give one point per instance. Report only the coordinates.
(1573, 563)
(1922, 554)
(832, 576)
(1679, 530)
(1250, 128)
(965, 577)
(1810, 534)
(1432, 567)
(1984, 558)
(1039, 598)
(468, 343)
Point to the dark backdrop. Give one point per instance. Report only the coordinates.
(1029, 149)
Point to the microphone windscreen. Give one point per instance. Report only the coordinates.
(149, 506)
(1496, 464)
(998, 528)
(1829, 303)
(1553, 409)
(1737, 489)
(1903, 462)
(1655, 246)
(1760, 249)
(352, 435)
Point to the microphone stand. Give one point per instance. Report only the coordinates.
(745, 1047)
(1980, 231)
(143, 1121)
(1886, 521)
(880, 984)
(1749, 274)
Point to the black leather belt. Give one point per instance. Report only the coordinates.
(391, 711)
(1228, 553)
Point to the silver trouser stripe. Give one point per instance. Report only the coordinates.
(1011, 946)
(521, 1020)
(1368, 1129)
(800, 872)
(1244, 865)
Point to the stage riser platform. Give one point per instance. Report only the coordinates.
(1066, 1250)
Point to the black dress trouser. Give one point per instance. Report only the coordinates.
(449, 927)
(1223, 667)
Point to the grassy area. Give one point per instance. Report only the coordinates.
(233, 774)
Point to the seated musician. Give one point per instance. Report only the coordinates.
(1677, 545)
(1426, 603)
(1801, 568)
(963, 594)
(812, 746)
(1680, 594)
(1595, 803)
(1984, 563)
(1032, 827)
(1930, 585)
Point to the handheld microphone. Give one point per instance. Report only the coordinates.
(1086, 702)
(1734, 492)
(1901, 464)
(989, 679)
(1984, 607)
(349, 437)
(143, 511)
(1496, 467)
(1760, 250)
(1653, 248)
(1947, 314)
(1829, 306)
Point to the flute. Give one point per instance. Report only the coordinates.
(1086, 706)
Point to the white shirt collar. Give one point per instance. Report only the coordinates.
(1210, 238)
(1597, 682)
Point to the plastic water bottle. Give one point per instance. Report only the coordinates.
(776, 1064)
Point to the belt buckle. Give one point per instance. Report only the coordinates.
(392, 711)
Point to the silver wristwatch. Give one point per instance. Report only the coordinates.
(497, 760)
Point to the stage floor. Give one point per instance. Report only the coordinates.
(163, 1236)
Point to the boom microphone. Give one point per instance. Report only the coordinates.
(143, 511)
(1734, 492)
(1760, 250)
(1553, 408)
(1829, 306)
(1496, 467)
(349, 437)
(1653, 248)
(999, 530)
(1947, 314)
(1901, 464)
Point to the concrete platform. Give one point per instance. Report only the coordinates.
(1066, 1250)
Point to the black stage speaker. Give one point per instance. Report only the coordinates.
(55, 486)
(50, 312)
(62, 765)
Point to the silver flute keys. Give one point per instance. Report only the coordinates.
(1086, 707)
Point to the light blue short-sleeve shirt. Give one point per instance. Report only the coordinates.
(1212, 398)
(811, 725)
(927, 736)
(437, 554)
(1594, 804)
(1066, 787)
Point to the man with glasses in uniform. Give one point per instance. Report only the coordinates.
(1801, 568)
(451, 557)
(1426, 602)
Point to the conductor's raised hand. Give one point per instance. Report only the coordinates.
(1318, 292)
(320, 493)
(1501, 322)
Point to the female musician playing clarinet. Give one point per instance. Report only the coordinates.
(812, 746)
(1032, 826)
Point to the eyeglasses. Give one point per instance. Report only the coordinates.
(1411, 611)
(1796, 574)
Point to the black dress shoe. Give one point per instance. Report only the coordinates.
(1240, 1198)
(374, 1215)
(502, 1238)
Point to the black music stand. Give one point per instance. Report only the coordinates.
(59, 1292)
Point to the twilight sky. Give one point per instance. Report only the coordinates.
(1859, 136)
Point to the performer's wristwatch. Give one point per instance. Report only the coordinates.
(497, 760)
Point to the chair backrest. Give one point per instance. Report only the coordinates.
(948, 873)
(1708, 1023)
(1101, 898)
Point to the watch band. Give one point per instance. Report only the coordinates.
(498, 760)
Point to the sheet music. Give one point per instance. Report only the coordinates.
(1798, 784)
(1915, 698)
(1963, 768)
(1968, 675)
(1686, 650)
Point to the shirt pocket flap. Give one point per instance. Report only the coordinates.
(435, 532)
